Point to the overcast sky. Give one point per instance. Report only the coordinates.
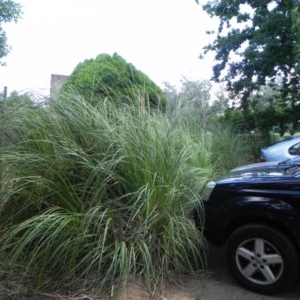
(162, 38)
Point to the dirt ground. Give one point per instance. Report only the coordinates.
(216, 285)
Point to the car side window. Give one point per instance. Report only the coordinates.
(295, 149)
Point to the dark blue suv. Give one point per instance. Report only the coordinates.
(256, 217)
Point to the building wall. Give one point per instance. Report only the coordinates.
(56, 83)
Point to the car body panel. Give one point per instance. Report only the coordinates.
(260, 167)
(266, 167)
(256, 217)
(239, 199)
(281, 151)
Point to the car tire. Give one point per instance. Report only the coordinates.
(262, 259)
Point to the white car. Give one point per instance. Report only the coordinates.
(286, 149)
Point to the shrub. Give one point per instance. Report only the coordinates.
(114, 78)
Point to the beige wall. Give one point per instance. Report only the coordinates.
(56, 83)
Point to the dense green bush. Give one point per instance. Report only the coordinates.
(114, 78)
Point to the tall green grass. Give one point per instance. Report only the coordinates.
(219, 147)
(102, 194)
(228, 149)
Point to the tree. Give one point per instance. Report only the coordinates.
(195, 99)
(9, 11)
(257, 42)
(296, 31)
(112, 77)
(172, 95)
(197, 95)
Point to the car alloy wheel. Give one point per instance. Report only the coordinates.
(262, 259)
(259, 261)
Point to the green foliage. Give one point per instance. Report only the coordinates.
(196, 96)
(268, 108)
(103, 193)
(218, 143)
(195, 100)
(257, 41)
(219, 125)
(10, 111)
(236, 118)
(9, 11)
(112, 77)
(228, 149)
(296, 31)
